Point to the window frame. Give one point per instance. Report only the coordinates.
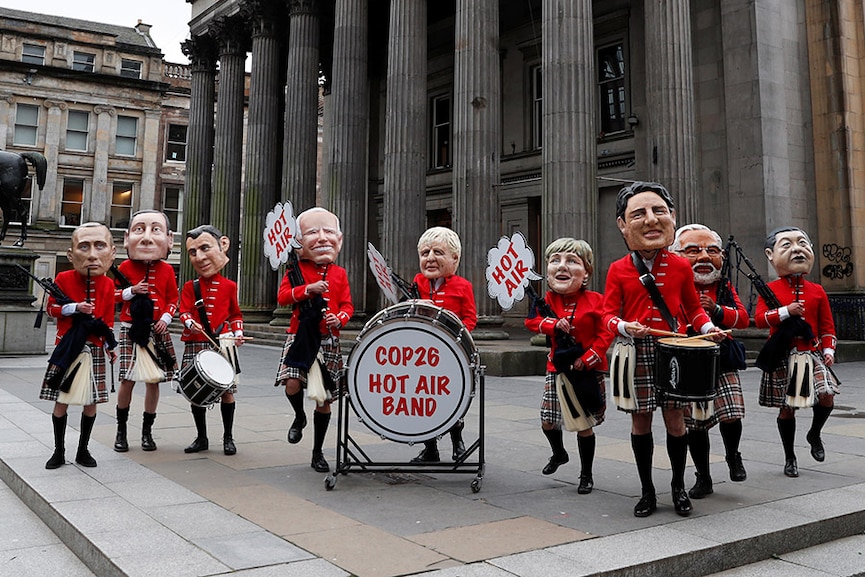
(87, 65)
(608, 126)
(65, 202)
(174, 213)
(536, 108)
(436, 126)
(30, 58)
(127, 65)
(171, 145)
(77, 131)
(20, 126)
(124, 137)
(120, 187)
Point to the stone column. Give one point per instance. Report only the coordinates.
(569, 201)
(258, 283)
(300, 139)
(477, 141)
(228, 138)
(48, 200)
(104, 139)
(150, 161)
(201, 52)
(405, 130)
(670, 104)
(344, 176)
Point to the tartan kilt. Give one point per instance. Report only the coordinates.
(126, 346)
(773, 386)
(192, 348)
(331, 352)
(551, 408)
(729, 403)
(644, 379)
(101, 393)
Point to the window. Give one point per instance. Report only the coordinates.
(172, 205)
(72, 202)
(77, 123)
(27, 202)
(83, 61)
(121, 205)
(33, 54)
(176, 148)
(611, 88)
(130, 68)
(441, 132)
(537, 107)
(26, 123)
(127, 128)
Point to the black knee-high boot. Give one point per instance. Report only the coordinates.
(147, 443)
(787, 430)
(586, 447)
(121, 444)
(295, 432)
(228, 446)
(644, 448)
(320, 422)
(698, 446)
(199, 415)
(731, 434)
(560, 455)
(821, 415)
(83, 457)
(58, 458)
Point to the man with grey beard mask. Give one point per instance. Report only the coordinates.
(703, 249)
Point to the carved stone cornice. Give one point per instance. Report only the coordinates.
(202, 53)
(105, 109)
(54, 104)
(303, 7)
(8, 97)
(263, 17)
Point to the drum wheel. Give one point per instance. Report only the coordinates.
(330, 482)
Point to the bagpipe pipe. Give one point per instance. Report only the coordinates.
(778, 345)
(71, 362)
(151, 359)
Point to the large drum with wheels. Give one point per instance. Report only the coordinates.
(411, 375)
(686, 369)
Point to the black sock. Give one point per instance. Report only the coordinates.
(199, 415)
(731, 434)
(554, 436)
(319, 429)
(698, 444)
(821, 415)
(227, 410)
(644, 447)
(787, 430)
(586, 446)
(677, 450)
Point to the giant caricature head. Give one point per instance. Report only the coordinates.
(570, 263)
(92, 251)
(646, 216)
(319, 235)
(790, 251)
(148, 237)
(439, 250)
(702, 247)
(207, 248)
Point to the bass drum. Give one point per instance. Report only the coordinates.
(206, 379)
(411, 375)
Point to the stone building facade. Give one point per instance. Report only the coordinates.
(108, 114)
(495, 116)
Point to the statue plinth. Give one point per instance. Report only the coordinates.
(17, 313)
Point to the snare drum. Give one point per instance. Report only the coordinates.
(687, 369)
(206, 378)
(411, 376)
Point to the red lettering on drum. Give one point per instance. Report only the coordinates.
(432, 385)
(389, 384)
(402, 356)
(419, 407)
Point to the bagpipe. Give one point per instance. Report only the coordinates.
(151, 359)
(72, 373)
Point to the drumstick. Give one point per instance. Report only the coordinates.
(660, 333)
(707, 335)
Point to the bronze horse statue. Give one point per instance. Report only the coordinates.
(13, 178)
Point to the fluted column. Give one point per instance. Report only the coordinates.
(344, 175)
(201, 52)
(405, 130)
(104, 139)
(228, 138)
(300, 142)
(258, 282)
(569, 201)
(670, 103)
(476, 140)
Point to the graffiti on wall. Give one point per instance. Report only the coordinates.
(839, 259)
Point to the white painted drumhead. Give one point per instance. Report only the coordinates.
(409, 379)
(214, 368)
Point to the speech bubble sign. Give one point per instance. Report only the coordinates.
(509, 270)
(382, 273)
(280, 234)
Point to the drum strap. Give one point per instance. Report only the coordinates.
(647, 279)
(202, 312)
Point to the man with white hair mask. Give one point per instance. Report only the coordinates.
(703, 249)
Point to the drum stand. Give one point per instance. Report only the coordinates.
(350, 455)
